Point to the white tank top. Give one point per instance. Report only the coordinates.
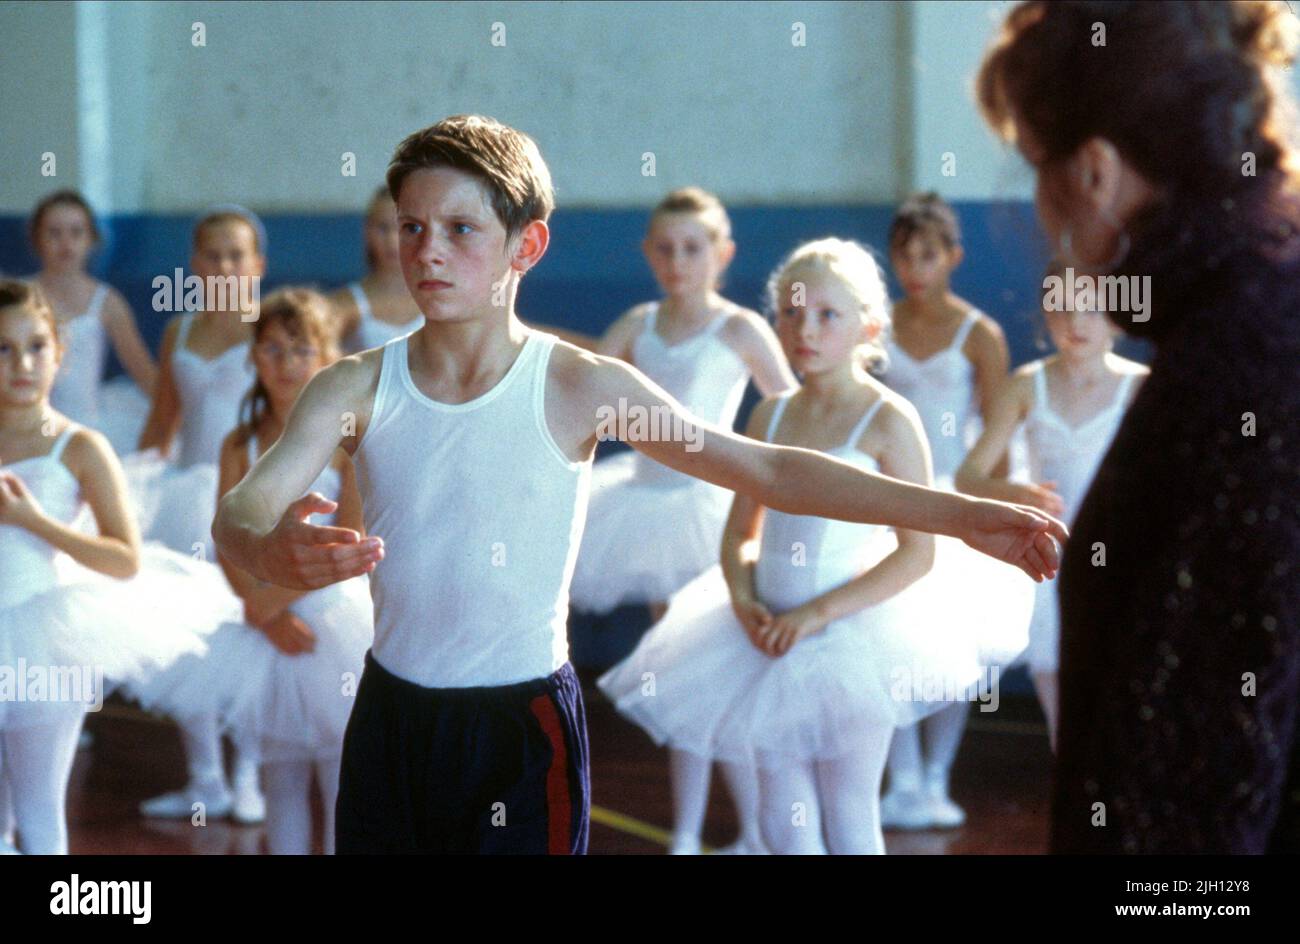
(210, 393)
(702, 373)
(481, 514)
(1069, 455)
(942, 388)
(370, 331)
(76, 388)
(803, 556)
(29, 566)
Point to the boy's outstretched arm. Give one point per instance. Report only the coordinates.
(261, 523)
(804, 482)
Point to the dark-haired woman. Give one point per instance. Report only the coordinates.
(1157, 131)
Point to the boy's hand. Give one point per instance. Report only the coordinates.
(1042, 496)
(305, 556)
(290, 634)
(1015, 534)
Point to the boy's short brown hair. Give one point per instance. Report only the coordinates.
(507, 161)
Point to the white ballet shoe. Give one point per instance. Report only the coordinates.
(215, 801)
(905, 809)
(685, 845)
(944, 813)
(249, 807)
(743, 847)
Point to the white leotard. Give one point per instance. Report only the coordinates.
(211, 391)
(76, 388)
(803, 556)
(1069, 455)
(942, 388)
(702, 372)
(28, 567)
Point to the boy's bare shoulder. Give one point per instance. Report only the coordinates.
(572, 366)
(355, 370)
(350, 382)
(585, 375)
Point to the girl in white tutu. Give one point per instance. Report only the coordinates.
(92, 316)
(1069, 405)
(805, 660)
(288, 673)
(650, 530)
(948, 359)
(378, 308)
(77, 610)
(205, 370)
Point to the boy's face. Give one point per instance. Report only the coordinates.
(452, 246)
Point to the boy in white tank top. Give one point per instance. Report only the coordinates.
(473, 440)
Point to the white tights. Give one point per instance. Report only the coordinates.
(942, 733)
(288, 804)
(829, 805)
(202, 742)
(690, 779)
(37, 764)
(1045, 685)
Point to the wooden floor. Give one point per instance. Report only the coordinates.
(1001, 778)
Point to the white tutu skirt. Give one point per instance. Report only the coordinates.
(646, 536)
(90, 633)
(298, 705)
(174, 505)
(1043, 654)
(696, 682)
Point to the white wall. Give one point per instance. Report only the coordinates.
(954, 151)
(38, 100)
(262, 113)
(146, 122)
